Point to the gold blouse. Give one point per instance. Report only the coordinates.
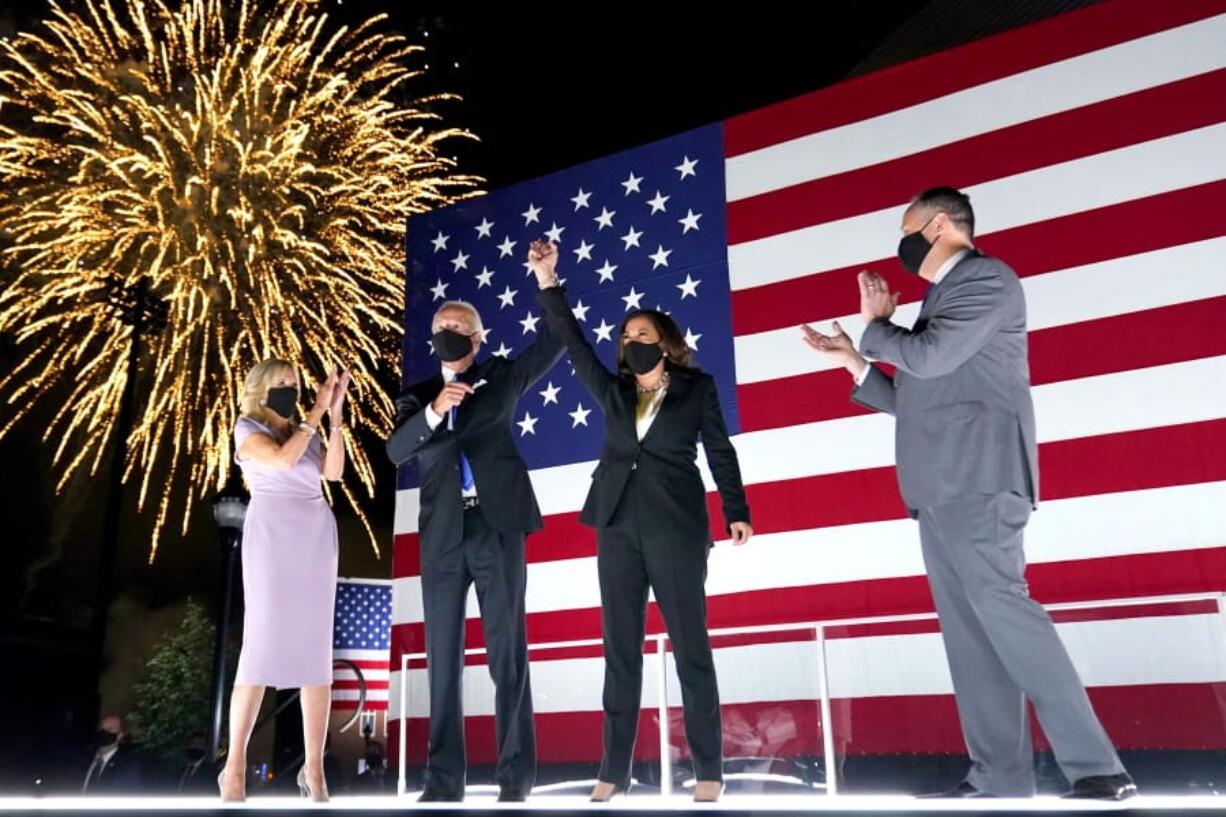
(648, 407)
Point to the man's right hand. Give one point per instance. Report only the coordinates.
(836, 347)
(543, 259)
(452, 395)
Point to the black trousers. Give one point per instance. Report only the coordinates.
(633, 554)
(495, 564)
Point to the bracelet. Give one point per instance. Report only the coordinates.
(307, 429)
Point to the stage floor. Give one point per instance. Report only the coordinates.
(850, 805)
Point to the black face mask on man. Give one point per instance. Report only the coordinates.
(103, 738)
(913, 248)
(642, 357)
(450, 345)
(283, 400)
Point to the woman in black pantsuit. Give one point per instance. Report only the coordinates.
(648, 505)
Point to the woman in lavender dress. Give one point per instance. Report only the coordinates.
(289, 562)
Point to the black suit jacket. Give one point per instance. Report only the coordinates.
(124, 773)
(665, 462)
(483, 432)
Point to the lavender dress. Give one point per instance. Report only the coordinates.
(289, 571)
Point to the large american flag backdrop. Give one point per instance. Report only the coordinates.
(1093, 146)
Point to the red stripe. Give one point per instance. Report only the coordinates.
(406, 554)
(374, 664)
(911, 83)
(1108, 463)
(346, 683)
(1189, 331)
(1091, 236)
(1114, 123)
(1137, 575)
(1155, 716)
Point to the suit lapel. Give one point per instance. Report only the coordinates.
(678, 387)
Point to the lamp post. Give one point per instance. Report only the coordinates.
(229, 511)
(138, 307)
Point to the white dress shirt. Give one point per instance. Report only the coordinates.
(433, 419)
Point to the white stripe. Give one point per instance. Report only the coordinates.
(1138, 399)
(372, 696)
(1176, 649)
(1184, 517)
(1134, 172)
(1118, 70)
(367, 675)
(1134, 283)
(363, 655)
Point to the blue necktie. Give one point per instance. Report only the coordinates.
(466, 470)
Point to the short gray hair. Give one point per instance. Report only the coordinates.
(478, 326)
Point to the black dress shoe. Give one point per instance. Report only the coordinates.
(1103, 787)
(511, 796)
(434, 796)
(961, 791)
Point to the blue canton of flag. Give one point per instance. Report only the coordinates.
(363, 618)
(643, 229)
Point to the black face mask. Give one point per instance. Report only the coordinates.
(642, 357)
(283, 400)
(451, 346)
(913, 248)
(103, 738)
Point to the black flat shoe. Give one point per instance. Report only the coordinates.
(511, 796)
(1113, 787)
(431, 796)
(962, 791)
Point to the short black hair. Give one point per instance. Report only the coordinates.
(952, 202)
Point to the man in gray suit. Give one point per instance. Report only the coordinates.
(968, 471)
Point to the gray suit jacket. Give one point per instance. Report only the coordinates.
(961, 395)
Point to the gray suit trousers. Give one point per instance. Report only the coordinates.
(1003, 649)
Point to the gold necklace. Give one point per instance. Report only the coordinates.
(648, 389)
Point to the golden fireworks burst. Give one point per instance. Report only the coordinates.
(258, 165)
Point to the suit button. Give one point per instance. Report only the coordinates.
(634, 466)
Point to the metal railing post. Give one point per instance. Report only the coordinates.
(666, 759)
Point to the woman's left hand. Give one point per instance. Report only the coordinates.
(338, 395)
(741, 531)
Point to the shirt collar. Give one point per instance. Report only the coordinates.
(949, 264)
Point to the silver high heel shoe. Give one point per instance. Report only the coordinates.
(221, 786)
(305, 790)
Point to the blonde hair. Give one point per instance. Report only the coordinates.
(255, 386)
